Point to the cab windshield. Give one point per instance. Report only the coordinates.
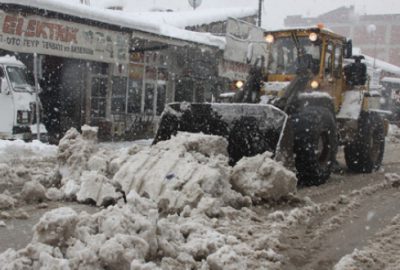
(19, 79)
(283, 55)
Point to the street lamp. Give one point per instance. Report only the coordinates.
(260, 2)
(195, 3)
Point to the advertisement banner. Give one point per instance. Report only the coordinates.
(244, 42)
(244, 45)
(36, 34)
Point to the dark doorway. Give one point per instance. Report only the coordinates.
(63, 84)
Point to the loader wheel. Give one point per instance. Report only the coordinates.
(365, 153)
(315, 145)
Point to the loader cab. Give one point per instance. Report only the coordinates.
(325, 49)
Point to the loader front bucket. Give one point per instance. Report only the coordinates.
(250, 129)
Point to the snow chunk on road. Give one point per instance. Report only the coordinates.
(56, 227)
(33, 191)
(95, 187)
(262, 178)
(6, 202)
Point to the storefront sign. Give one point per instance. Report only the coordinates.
(35, 34)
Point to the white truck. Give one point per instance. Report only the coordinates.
(18, 102)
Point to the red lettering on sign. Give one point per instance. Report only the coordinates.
(20, 26)
(31, 29)
(50, 26)
(61, 33)
(40, 31)
(10, 22)
(19, 29)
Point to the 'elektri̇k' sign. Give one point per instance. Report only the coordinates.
(36, 34)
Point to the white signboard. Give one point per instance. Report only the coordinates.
(244, 45)
(36, 34)
(244, 42)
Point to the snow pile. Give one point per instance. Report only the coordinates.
(8, 177)
(18, 149)
(181, 210)
(73, 154)
(173, 173)
(137, 236)
(262, 178)
(181, 172)
(86, 169)
(381, 253)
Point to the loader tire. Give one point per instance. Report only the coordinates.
(315, 145)
(365, 153)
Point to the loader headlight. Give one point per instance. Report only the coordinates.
(314, 84)
(313, 37)
(239, 84)
(269, 38)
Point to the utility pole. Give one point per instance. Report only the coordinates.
(260, 2)
(37, 88)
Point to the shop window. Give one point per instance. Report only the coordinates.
(118, 100)
(149, 99)
(134, 96)
(99, 92)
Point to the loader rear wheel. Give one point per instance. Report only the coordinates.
(365, 153)
(315, 145)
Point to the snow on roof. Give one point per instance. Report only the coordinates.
(385, 66)
(391, 80)
(121, 19)
(183, 19)
(379, 64)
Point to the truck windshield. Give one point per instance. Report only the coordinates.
(283, 55)
(19, 79)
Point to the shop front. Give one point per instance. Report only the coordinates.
(82, 64)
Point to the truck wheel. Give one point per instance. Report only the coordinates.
(365, 153)
(315, 145)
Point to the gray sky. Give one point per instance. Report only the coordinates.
(275, 10)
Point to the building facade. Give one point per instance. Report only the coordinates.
(377, 35)
(101, 74)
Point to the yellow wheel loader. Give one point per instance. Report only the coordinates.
(309, 97)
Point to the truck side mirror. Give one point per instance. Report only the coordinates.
(4, 86)
(348, 49)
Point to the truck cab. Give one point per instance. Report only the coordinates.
(17, 102)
